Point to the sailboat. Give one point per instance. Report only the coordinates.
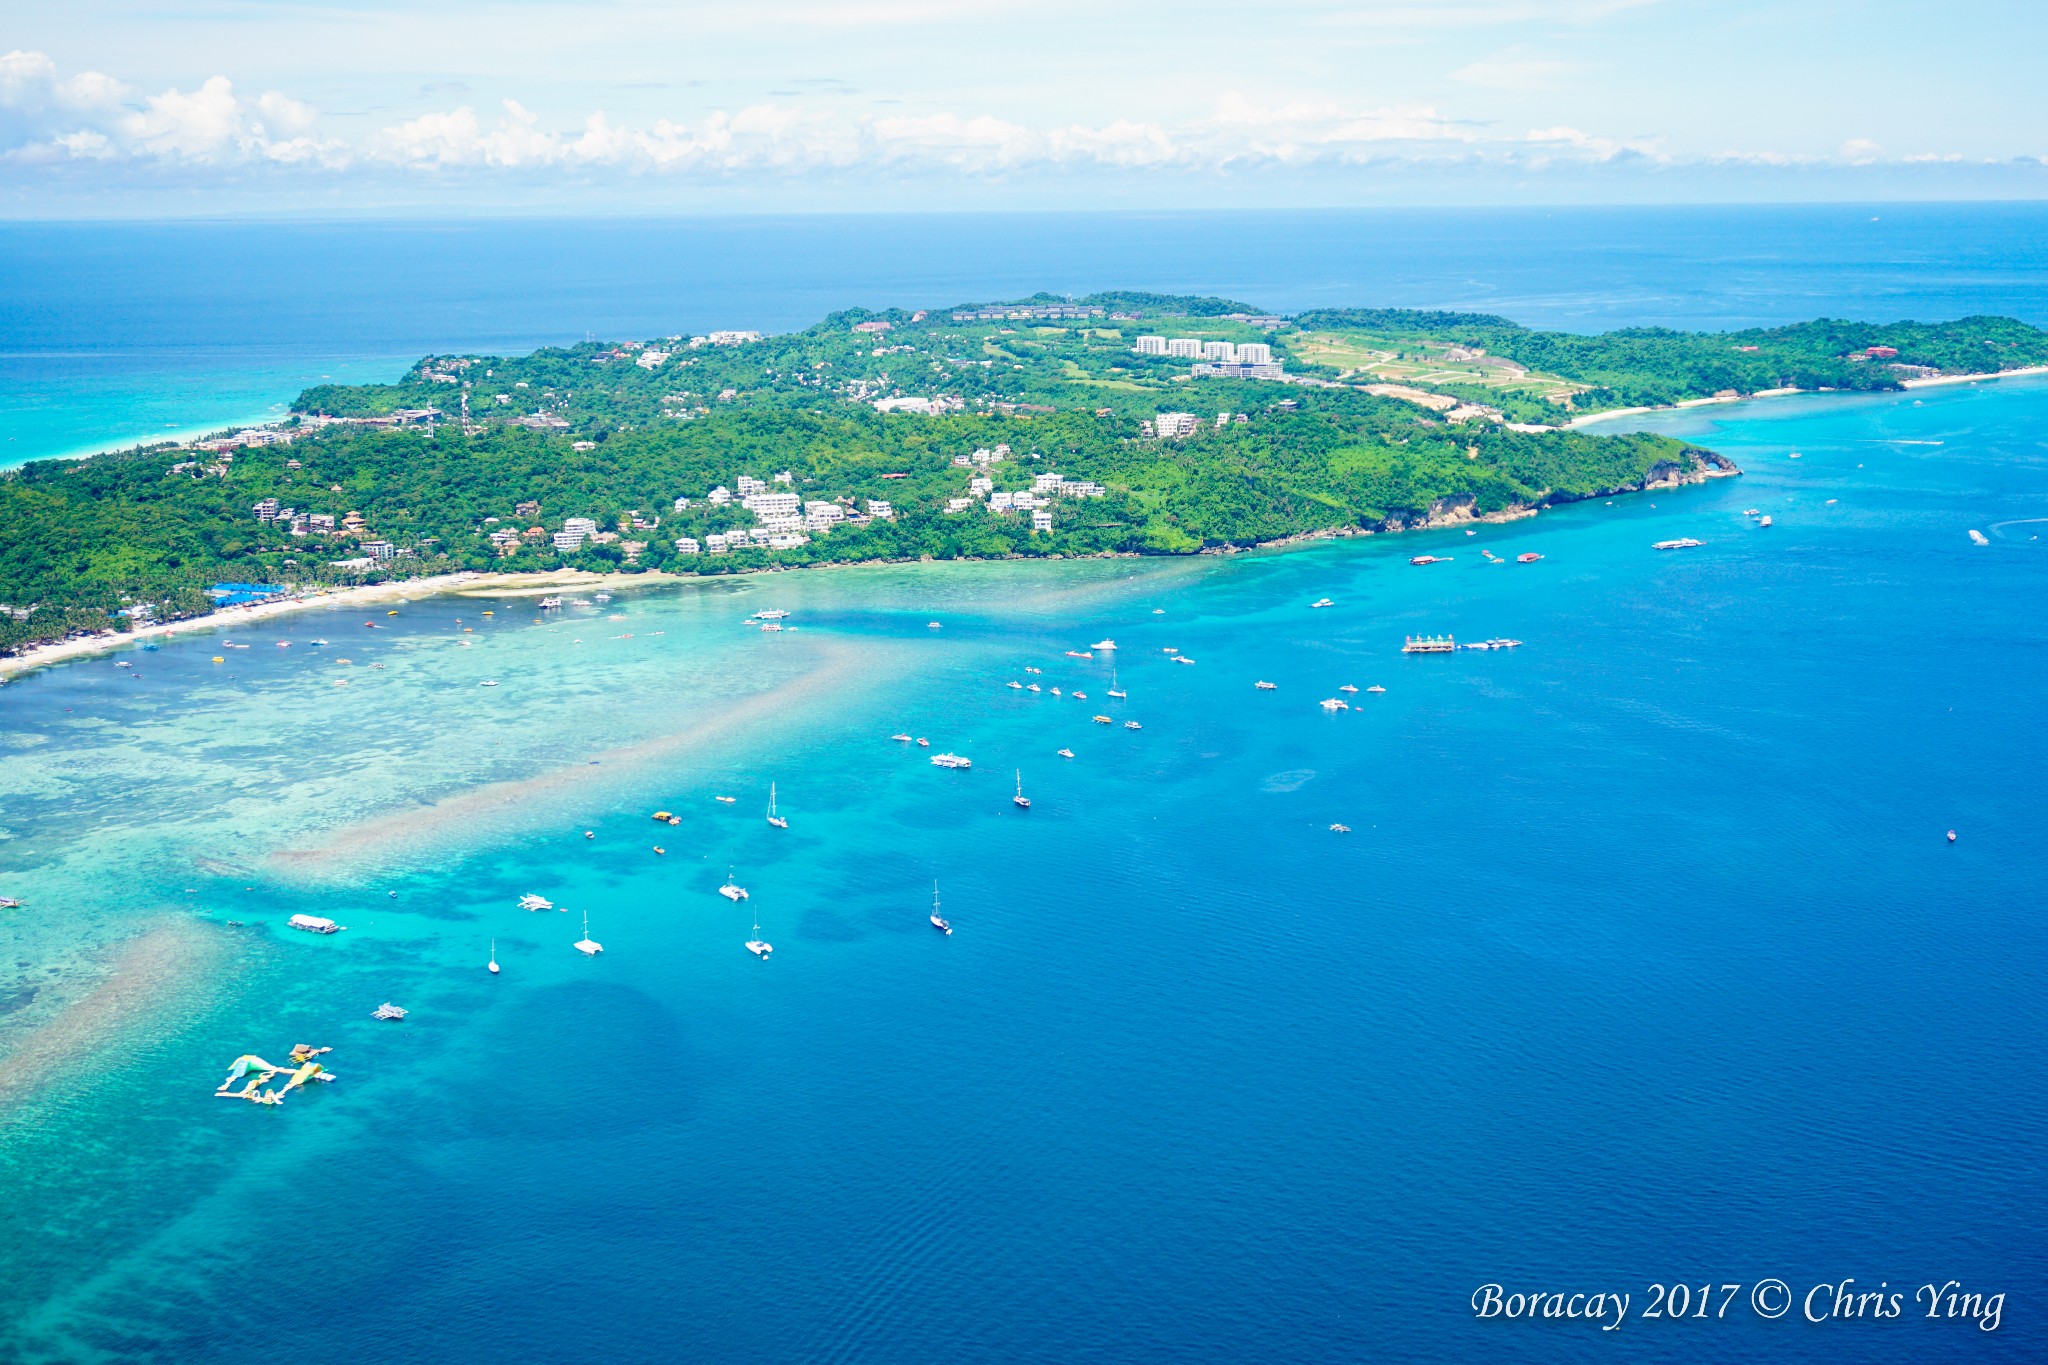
(1020, 800)
(586, 945)
(939, 921)
(757, 946)
(773, 818)
(732, 890)
(1114, 690)
(494, 953)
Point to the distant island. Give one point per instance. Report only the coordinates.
(1118, 423)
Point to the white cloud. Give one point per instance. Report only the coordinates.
(1518, 72)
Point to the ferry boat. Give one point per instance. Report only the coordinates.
(1529, 558)
(314, 924)
(387, 1010)
(1428, 644)
(1347, 687)
(587, 945)
(531, 901)
(773, 818)
(1103, 644)
(1682, 543)
(772, 614)
(1264, 686)
(939, 922)
(1321, 602)
(951, 761)
(759, 946)
(732, 890)
(1063, 753)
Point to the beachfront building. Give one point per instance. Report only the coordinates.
(749, 486)
(568, 542)
(687, 545)
(586, 526)
(1041, 521)
(763, 504)
(378, 549)
(720, 495)
(1171, 426)
(266, 510)
(823, 516)
(880, 511)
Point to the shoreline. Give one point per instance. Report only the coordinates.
(1905, 385)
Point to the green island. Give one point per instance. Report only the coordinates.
(1117, 423)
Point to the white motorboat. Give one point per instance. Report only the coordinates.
(1264, 686)
(1103, 644)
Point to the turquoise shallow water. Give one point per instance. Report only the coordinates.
(1646, 959)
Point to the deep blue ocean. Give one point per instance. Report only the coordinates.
(1646, 960)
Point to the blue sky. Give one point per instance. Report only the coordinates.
(113, 108)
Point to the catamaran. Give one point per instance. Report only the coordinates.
(1020, 800)
(939, 922)
(586, 945)
(732, 890)
(773, 818)
(757, 945)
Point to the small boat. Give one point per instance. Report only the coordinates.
(660, 851)
(901, 739)
(759, 946)
(772, 614)
(1340, 829)
(600, 597)
(1335, 704)
(1029, 669)
(387, 1010)
(1103, 644)
(1430, 559)
(489, 682)
(732, 890)
(1182, 659)
(931, 625)
(1055, 691)
(391, 613)
(1132, 725)
(773, 818)
(1266, 686)
(1078, 654)
(1080, 696)
(939, 922)
(1682, 543)
(1375, 688)
(1104, 720)
(530, 901)
(284, 644)
(587, 945)
(1529, 558)
(1169, 649)
(772, 626)
(1013, 683)
(923, 743)
(1319, 603)
(1347, 687)
(951, 761)
(1034, 687)
(9, 903)
(1065, 753)
(550, 603)
(1752, 511)
(1020, 800)
(494, 957)
(1766, 521)
(726, 800)
(1951, 836)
